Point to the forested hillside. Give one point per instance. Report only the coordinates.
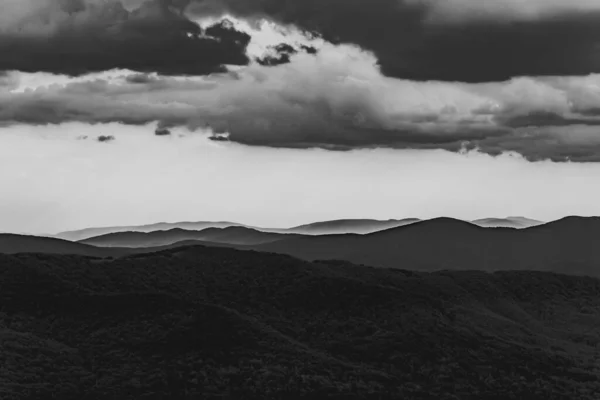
(212, 323)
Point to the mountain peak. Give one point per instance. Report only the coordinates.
(446, 221)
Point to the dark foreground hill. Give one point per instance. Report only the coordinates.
(13, 244)
(214, 323)
(22, 244)
(569, 246)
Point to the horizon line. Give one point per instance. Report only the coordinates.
(286, 227)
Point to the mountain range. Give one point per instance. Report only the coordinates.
(235, 235)
(87, 233)
(358, 226)
(566, 246)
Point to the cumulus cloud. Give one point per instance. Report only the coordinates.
(105, 138)
(454, 40)
(335, 99)
(76, 37)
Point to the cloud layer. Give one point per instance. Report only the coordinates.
(451, 40)
(336, 99)
(458, 75)
(454, 40)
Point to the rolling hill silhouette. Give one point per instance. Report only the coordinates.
(19, 244)
(358, 226)
(509, 222)
(568, 245)
(318, 228)
(12, 244)
(235, 235)
(83, 234)
(200, 322)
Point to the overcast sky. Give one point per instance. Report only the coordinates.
(371, 109)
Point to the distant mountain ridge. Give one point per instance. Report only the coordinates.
(87, 233)
(359, 226)
(235, 235)
(565, 246)
(509, 222)
(317, 228)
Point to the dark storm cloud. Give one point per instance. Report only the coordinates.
(162, 131)
(105, 139)
(140, 78)
(282, 53)
(75, 37)
(452, 40)
(575, 143)
(334, 101)
(546, 118)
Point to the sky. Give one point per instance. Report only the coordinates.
(278, 113)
